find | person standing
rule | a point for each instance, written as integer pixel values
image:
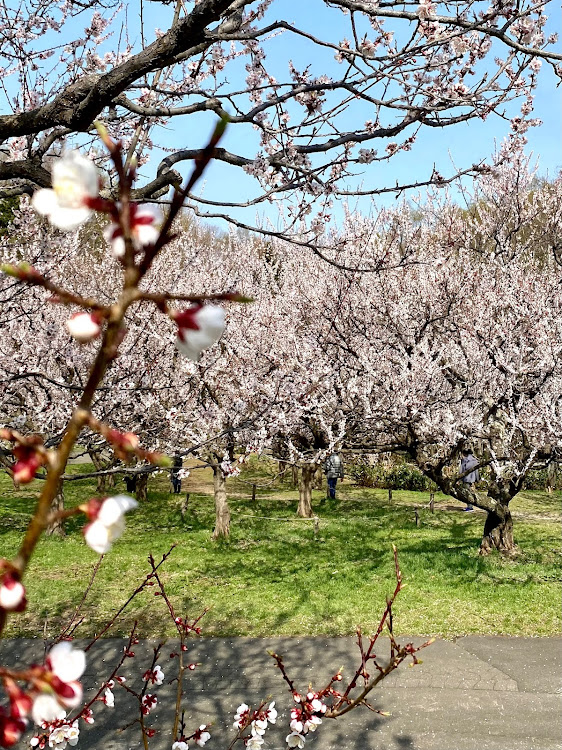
(469, 461)
(333, 468)
(175, 474)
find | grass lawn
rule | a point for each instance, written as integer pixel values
(274, 577)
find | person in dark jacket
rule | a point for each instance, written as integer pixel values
(469, 461)
(333, 468)
(175, 474)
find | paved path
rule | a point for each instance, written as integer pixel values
(478, 693)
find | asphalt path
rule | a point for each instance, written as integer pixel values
(476, 693)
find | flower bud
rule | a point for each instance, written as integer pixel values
(84, 326)
(12, 593)
(11, 729)
(24, 470)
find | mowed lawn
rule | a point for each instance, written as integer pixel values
(274, 576)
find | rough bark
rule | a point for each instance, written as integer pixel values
(222, 511)
(57, 527)
(318, 478)
(305, 492)
(295, 475)
(101, 481)
(498, 533)
(141, 487)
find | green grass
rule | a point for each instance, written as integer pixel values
(274, 577)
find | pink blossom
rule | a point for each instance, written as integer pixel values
(75, 181)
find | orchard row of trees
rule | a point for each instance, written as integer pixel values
(455, 340)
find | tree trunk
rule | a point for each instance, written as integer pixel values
(98, 466)
(141, 487)
(305, 492)
(318, 478)
(57, 527)
(282, 470)
(498, 533)
(295, 475)
(222, 511)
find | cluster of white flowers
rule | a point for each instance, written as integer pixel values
(257, 721)
(60, 737)
(305, 718)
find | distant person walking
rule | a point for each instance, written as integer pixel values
(469, 461)
(175, 474)
(333, 468)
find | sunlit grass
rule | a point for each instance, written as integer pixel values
(275, 577)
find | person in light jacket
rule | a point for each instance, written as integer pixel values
(333, 468)
(469, 461)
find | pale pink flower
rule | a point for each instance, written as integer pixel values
(199, 327)
(272, 713)
(75, 181)
(109, 698)
(84, 326)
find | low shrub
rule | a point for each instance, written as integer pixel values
(400, 476)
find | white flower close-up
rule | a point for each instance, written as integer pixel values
(83, 327)
(75, 179)
(12, 593)
(295, 740)
(199, 327)
(66, 662)
(46, 709)
(109, 523)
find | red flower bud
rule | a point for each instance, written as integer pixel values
(24, 470)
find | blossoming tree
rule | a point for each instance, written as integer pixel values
(462, 346)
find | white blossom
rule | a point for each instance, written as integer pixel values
(75, 180)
